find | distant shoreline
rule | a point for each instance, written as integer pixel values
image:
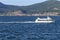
(46, 15)
(29, 14)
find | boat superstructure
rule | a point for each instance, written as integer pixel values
(44, 20)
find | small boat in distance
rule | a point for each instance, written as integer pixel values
(44, 20)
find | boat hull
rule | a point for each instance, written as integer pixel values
(44, 21)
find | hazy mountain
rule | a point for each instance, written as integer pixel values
(47, 6)
(7, 8)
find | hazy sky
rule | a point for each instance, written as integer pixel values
(21, 2)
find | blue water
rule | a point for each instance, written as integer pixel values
(29, 31)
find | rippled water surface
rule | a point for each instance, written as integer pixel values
(29, 31)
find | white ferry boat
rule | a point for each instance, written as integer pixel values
(44, 20)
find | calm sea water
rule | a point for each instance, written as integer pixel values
(29, 31)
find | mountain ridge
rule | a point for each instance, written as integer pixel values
(39, 8)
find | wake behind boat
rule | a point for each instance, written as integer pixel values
(38, 20)
(44, 20)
